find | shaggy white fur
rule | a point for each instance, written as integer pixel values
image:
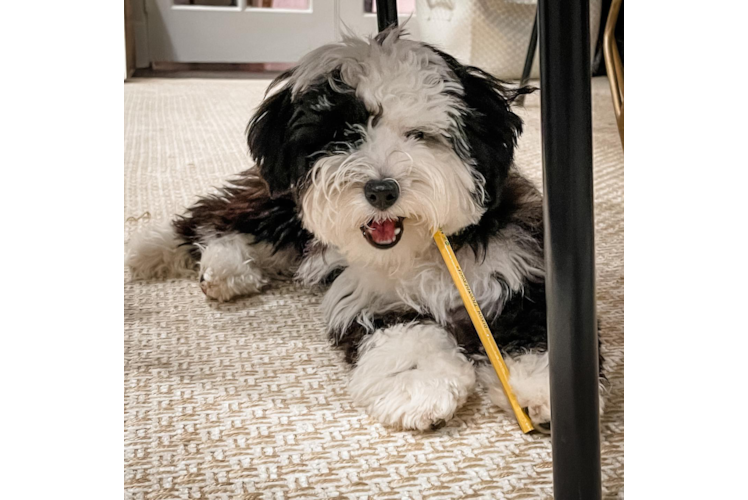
(409, 90)
(155, 252)
(411, 376)
(363, 291)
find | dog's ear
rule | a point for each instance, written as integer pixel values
(267, 138)
(288, 130)
(490, 128)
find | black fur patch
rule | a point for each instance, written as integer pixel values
(332, 275)
(521, 326)
(286, 135)
(490, 127)
(245, 206)
(491, 130)
(520, 205)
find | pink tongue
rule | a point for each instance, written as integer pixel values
(382, 231)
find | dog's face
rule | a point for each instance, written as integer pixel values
(383, 141)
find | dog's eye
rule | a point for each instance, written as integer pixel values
(415, 134)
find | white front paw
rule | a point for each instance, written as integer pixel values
(413, 399)
(412, 377)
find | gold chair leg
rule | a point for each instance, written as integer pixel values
(613, 64)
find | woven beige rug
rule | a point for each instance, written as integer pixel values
(246, 400)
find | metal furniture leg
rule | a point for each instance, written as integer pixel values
(566, 125)
(529, 59)
(386, 13)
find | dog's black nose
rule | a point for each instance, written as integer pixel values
(382, 194)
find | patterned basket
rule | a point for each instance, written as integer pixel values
(490, 34)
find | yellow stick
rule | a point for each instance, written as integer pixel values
(479, 322)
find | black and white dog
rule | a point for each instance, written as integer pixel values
(361, 151)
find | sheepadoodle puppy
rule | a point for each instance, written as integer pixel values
(361, 152)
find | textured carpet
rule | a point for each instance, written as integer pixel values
(246, 400)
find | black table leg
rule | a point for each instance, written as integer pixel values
(566, 114)
(529, 59)
(386, 13)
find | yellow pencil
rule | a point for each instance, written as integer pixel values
(479, 322)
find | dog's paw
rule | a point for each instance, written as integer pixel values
(540, 414)
(529, 378)
(412, 377)
(228, 269)
(415, 399)
(224, 287)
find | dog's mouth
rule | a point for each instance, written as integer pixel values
(383, 234)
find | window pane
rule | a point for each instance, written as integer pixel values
(279, 4)
(214, 3)
(255, 4)
(403, 6)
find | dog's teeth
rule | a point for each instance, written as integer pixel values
(398, 230)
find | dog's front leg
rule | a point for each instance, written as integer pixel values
(234, 265)
(411, 376)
